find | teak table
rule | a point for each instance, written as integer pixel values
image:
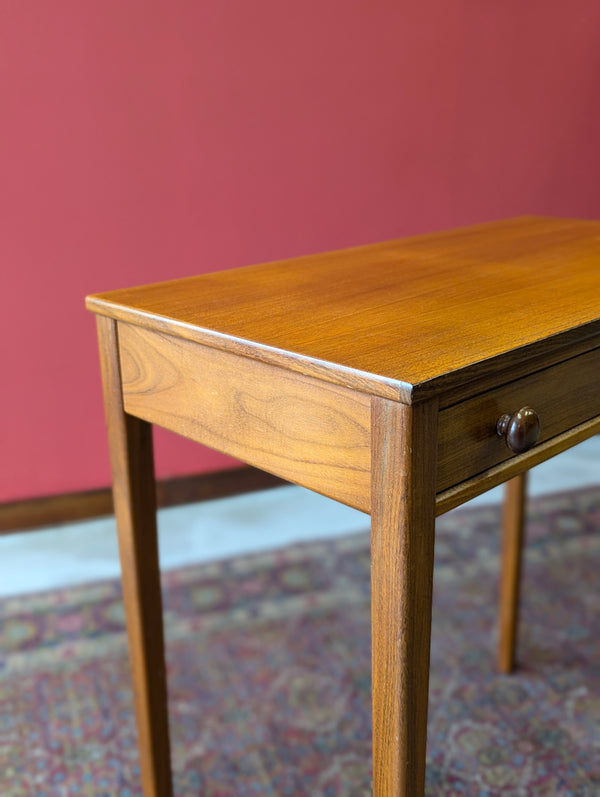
(401, 378)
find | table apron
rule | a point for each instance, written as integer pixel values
(318, 434)
(310, 432)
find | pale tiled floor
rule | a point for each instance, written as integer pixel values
(79, 552)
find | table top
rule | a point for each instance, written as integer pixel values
(412, 315)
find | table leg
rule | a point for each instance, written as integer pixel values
(513, 523)
(130, 442)
(404, 450)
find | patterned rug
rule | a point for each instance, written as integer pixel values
(269, 672)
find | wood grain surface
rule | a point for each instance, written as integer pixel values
(402, 539)
(131, 457)
(330, 371)
(317, 434)
(403, 319)
(312, 433)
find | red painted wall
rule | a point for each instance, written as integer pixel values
(149, 140)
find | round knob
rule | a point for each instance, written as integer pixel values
(520, 430)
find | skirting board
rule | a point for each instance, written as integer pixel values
(34, 513)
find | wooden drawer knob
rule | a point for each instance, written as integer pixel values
(521, 430)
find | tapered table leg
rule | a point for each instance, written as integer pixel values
(513, 523)
(130, 442)
(404, 445)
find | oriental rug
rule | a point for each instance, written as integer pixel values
(269, 672)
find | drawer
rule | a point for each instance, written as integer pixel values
(563, 396)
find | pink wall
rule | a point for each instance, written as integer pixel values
(149, 140)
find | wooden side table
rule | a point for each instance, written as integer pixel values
(401, 378)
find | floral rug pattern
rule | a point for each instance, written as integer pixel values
(269, 672)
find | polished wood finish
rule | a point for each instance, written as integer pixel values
(403, 319)
(513, 524)
(353, 372)
(32, 514)
(402, 536)
(130, 442)
(312, 433)
(185, 387)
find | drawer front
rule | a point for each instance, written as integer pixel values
(307, 431)
(564, 395)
